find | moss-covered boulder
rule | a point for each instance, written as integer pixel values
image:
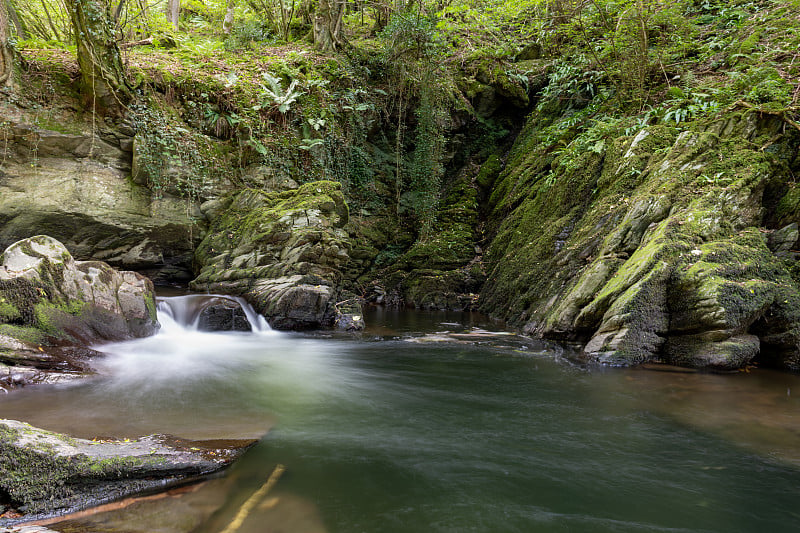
(283, 251)
(665, 245)
(50, 302)
(44, 473)
(441, 289)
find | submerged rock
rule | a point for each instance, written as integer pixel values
(223, 315)
(349, 315)
(44, 473)
(26, 529)
(210, 312)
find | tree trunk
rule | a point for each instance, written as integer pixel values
(144, 26)
(328, 25)
(103, 82)
(382, 10)
(174, 13)
(6, 53)
(22, 32)
(227, 23)
(53, 28)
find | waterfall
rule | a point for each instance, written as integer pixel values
(184, 312)
(257, 321)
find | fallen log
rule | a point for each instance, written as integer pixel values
(143, 42)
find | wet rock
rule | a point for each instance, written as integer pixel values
(707, 352)
(295, 302)
(44, 473)
(29, 366)
(350, 322)
(349, 314)
(26, 529)
(225, 315)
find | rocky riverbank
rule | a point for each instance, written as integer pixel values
(650, 226)
(671, 246)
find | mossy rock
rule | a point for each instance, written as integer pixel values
(281, 233)
(47, 297)
(44, 473)
(640, 251)
(450, 248)
(496, 76)
(489, 172)
(441, 290)
(284, 251)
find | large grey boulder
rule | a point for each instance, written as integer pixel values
(43, 287)
(52, 307)
(295, 302)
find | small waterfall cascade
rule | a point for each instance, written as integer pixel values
(185, 312)
(257, 321)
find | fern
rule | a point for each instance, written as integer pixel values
(275, 94)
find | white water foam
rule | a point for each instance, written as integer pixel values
(183, 312)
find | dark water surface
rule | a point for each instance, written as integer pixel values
(409, 429)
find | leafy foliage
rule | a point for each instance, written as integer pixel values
(274, 94)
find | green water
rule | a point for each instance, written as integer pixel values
(403, 430)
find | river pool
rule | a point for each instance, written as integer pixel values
(426, 423)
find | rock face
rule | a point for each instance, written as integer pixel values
(441, 270)
(282, 251)
(76, 188)
(49, 302)
(44, 473)
(664, 246)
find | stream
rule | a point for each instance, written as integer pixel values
(426, 422)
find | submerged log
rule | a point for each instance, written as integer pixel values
(247, 507)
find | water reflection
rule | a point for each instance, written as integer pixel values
(755, 410)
